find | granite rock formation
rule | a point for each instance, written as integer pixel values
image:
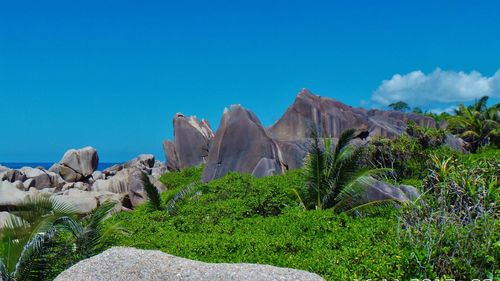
(241, 142)
(191, 142)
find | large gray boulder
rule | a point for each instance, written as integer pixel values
(118, 264)
(10, 195)
(191, 142)
(77, 164)
(456, 143)
(239, 144)
(84, 202)
(41, 178)
(379, 191)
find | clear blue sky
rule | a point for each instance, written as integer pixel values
(111, 74)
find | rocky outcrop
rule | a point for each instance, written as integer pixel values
(330, 118)
(191, 142)
(77, 164)
(242, 144)
(75, 181)
(133, 264)
(126, 179)
(239, 145)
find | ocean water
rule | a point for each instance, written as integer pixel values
(100, 166)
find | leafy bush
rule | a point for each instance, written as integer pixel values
(453, 227)
(427, 137)
(175, 180)
(239, 218)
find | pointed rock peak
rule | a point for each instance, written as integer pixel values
(306, 93)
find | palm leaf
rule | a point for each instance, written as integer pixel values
(152, 192)
(178, 197)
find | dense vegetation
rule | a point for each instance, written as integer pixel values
(239, 218)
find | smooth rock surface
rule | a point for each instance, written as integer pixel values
(191, 142)
(239, 144)
(77, 164)
(117, 264)
(10, 195)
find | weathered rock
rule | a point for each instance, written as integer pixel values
(97, 175)
(143, 162)
(83, 201)
(170, 155)
(158, 169)
(310, 112)
(455, 143)
(133, 264)
(10, 195)
(239, 144)
(41, 178)
(13, 175)
(29, 183)
(266, 167)
(191, 142)
(19, 185)
(127, 181)
(330, 118)
(3, 172)
(83, 161)
(379, 190)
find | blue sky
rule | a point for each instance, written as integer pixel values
(111, 74)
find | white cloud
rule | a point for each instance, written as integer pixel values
(438, 87)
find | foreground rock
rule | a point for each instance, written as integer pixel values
(132, 264)
(241, 144)
(191, 142)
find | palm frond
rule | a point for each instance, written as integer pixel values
(89, 240)
(179, 196)
(152, 192)
(345, 138)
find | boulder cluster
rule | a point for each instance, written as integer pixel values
(75, 180)
(241, 143)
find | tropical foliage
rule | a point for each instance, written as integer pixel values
(153, 194)
(477, 124)
(335, 177)
(44, 236)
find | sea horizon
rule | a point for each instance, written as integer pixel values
(47, 165)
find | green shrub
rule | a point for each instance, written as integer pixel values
(454, 228)
(239, 218)
(174, 180)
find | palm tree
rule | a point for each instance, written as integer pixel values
(38, 232)
(27, 232)
(335, 178)
(477, 124)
